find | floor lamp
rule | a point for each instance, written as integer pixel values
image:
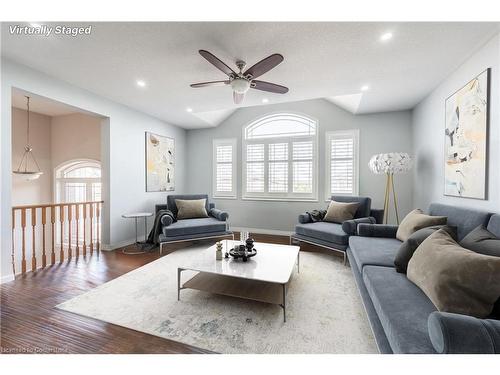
(390, 164)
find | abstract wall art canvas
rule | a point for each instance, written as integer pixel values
(466, 139)
(160, 163)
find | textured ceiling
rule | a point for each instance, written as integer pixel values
(322, 60)
(43, 105)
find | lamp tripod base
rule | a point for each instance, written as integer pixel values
(389, 186)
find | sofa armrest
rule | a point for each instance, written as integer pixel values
(219, 214)
(159, 207)
(377, 230)
(304, 218)
(462, 334)
(378, 214)
(211, 205)
(351, 226)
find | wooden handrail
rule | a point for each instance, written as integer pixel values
(55, 217)
(52, 205)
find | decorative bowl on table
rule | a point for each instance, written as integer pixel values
(243, 252)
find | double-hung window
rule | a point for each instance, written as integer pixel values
(280, 158)
(342, 163)
(224, 160)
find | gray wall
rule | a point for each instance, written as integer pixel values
(428, 133)
(382, 132)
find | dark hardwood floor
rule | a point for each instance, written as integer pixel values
(31, 324)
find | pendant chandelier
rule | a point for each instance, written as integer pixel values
(24, 165)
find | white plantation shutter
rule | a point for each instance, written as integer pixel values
(224, 168)
(342, 159)
(302, 155)
(278, 167)
(255, 168)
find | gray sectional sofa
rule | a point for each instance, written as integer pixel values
(403, 319)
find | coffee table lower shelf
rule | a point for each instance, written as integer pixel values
(255, 290)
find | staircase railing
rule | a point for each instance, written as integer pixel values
(47, 234)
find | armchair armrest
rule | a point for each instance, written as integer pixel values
(304, 218)
(219, 214)
(166, 220)
(351, 226)
(461, 334)
(159, 207)
(378, 214)
(377, 230)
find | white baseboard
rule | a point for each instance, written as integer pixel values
(117, 245)
(6, 279)
(261, 231)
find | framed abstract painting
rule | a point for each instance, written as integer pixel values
(160, 163)
(466, 140)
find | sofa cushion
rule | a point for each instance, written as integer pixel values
(364, 207)
(465, 219)
(408, 247)
(417, 220)
(173, 207)
(494, 225)
(374, 251)
(191, 208)
(403, 309)
(338, 212)
(482, 241)
(455, 279)
(194, 226)
(329, 232)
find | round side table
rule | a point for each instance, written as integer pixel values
(136, 216)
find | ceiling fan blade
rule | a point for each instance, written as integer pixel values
(238, 98)
(216, 62)
(264, 66)
(211, 83)
(268, 86)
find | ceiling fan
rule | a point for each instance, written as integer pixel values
(241, 82)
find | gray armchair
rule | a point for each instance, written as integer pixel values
(334, 236)
(214, 226)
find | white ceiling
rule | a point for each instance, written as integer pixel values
(322, 60)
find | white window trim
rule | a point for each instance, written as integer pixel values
(221, 142)
(290, 196)
(338, 133)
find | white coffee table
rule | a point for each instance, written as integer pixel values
(262, 278)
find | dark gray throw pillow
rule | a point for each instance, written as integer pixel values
(482, 241)
(408, 247)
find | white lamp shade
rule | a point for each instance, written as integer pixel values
(392, 162)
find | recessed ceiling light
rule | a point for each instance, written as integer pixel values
(385, 37)
(265, 100)
(365, 88)
(141, 83)
(189, 109)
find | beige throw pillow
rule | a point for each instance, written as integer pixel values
(455, 279)
(338, 212)
(191, 208)
(417, 220)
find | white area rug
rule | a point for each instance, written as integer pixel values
(324, 310)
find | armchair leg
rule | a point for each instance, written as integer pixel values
(345, 258)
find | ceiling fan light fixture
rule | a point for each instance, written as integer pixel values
(240, 85)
